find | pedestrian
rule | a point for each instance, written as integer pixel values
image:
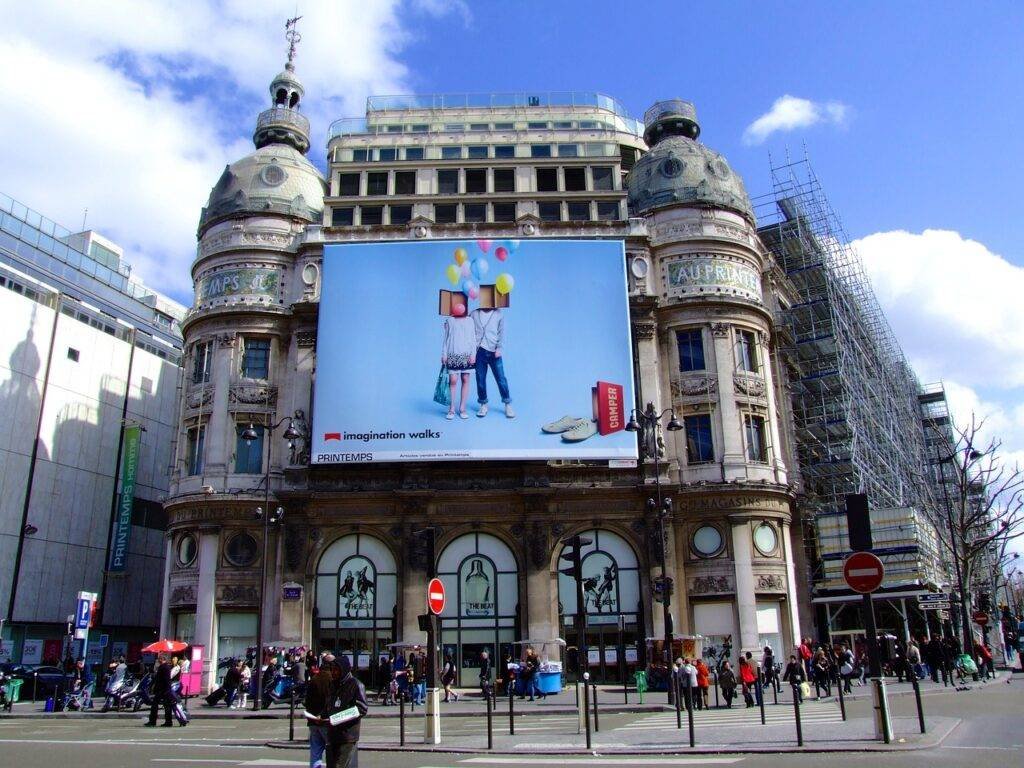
(933, 658)
(845, 668)
(805, 655)
(796, 676)
(448, 677)
(419, 667)
(727, 682)
(747, 678)
(319, 698)
(820, 674)
(703, 682)
(244, 682)
(298, 674)
(769, 671)
(985, 657)
(532, 674)
(485, 673)
(385, 673)
(914, 660)
(343, 739)
(161, 692)
(115, 679)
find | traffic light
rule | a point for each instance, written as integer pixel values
(984, 602)
(572, 552)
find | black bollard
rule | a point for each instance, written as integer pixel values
(689, 713)
(511, 714)
(759, 690)
(401, 719)
(775, 691)
(490, 723)
(917, 697)
(796, 716)
(597, 723)
(291, 716)
(35, 679)
(842, 701)
(717, 705)
(586, 708)
(679, 703)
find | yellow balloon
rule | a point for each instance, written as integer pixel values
(504, 283)
(453, 274)
(460, 256)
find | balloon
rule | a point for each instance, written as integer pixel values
(460, 256)
(512, 245)
(501, 253)
(458, 310)
(453, 274)
(474, 293)
(485, 245)
(480, 267)
(465, 269)
(504, 283)
(468, 286)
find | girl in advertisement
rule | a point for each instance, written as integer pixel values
(458, 355)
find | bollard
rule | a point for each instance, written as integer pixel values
(920, 709)
(586, 707)
(842, 701)
(511, 713)
(35, 680)
(625, 690)
(689, 713)
(401, 719)
(490, 724)
(717, 705)
(679, 703)
(597, 723)
(796, 715)
(291, 716)
(759, 690)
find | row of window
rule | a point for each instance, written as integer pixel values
(475, 152)
(690, 343)
(700, 444)
(254, 362)
(478, 181)
(248, 453)
(469, 213)
(532, 125)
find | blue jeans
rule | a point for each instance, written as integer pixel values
(317, 745)
(484, 359)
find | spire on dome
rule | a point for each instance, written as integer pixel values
(293, 37)
(282, 123)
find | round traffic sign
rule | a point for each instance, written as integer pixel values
(980, 618)
(435, 596)
(863, 572)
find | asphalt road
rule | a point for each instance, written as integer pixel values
(991, 734)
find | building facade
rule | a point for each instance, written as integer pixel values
(347, 556)
(89, 355)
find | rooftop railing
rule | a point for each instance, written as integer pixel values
(282, 116)
(492, 100)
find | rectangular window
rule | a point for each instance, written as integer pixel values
(579, 211)
(454, 126)
(540, 150)
(479, 127)
(359, 155)
(400, 214)
(405, 183)
(474, 212)
(371, 215)
(377, 183)
(387, 155)
(746, 351)
(348, 184)
(476, 181)
(504, 126)
(445, 214)
(342, 217)
(73, 354)
(537, 126)
(699, 447)
(504, 212)
(255, 358)
(607, 210)
(414, 153)
(568, 150)
(561, 125)
(691, 349)
(547, 179)
(504, 150)
(201, 362)
(451, 153)
(504, 180)
(757, 447)
(248, 453)
(419, 128)
(627, 155)
(448, 182)
(477, 153)
(195, 438)
(588, 124)
(550, 211)
(602, 177)
(575, 179)
(394, 128)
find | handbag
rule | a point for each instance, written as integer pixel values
(805, 689)
(442, 395)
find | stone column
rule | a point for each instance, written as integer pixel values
(746, 599)
(541, 603)
(791, 587)
(731, 446)
(218, 430)
(165, 598)
(657, 609)
(206, 597)
(773, 412)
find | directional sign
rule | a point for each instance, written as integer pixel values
(83, 612)
(935, 606)
(435, 596)
(863, 572)
(934, 597)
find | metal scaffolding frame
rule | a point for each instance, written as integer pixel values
(855, 398)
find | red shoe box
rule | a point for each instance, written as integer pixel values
(609, 408)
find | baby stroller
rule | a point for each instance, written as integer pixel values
(964, 666)
(80, 699)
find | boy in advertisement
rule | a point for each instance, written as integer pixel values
(490, 338)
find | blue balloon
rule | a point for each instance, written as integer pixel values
(467, 286)
(479, 267)
(511, 245)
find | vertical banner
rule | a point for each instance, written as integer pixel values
(123, 519)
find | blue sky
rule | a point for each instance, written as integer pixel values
(908, 110)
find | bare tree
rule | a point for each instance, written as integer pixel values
(984, 512)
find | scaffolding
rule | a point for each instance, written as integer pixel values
(855, 399)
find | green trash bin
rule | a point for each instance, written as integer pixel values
(12, 692)
(641, 684)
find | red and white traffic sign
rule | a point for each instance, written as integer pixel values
(863, 572)
(980, 618)
(435, 596)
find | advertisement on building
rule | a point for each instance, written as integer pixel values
(473, 349)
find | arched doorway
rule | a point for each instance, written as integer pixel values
(611, 595)
(481, 579)
(356, 593)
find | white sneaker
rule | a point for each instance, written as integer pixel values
(509, 413)
(483, 411)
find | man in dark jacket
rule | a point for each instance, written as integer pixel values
(485, 673)
(161, 692)
(319, 698)
(343, 739)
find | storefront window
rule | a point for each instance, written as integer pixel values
(236, 633)
(185, 626)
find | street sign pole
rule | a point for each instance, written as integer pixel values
(436, 599)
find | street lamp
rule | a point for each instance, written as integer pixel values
(646, 423)
(249, 435)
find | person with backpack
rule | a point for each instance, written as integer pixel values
(448, 678)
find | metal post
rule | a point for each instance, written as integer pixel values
(717, 704)
(842, 701)
(917, 697)
(759, 689)
(775, 690)
(511, 714)
(35, 681)
(291, 716)
(689, 714)
(490, 723)
(796, 715)
(597, 723)
(679, 702)
(401, 719)
(586, 709)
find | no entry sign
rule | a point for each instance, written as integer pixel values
(435, 596)
(980, 618)
(863, 572)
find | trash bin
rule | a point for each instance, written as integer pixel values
(12, 692)
(641, 684)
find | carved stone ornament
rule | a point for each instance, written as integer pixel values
(237, 594)
(310, 281)
(704, 585)
(538, 545)
(184, 594)
(299, 452)
(721, 330)
(306, 338)
(295, 537)
(199, 398)
(645, 330)
(529, 228)
(694, 385)
(769, 582)
(225, 340)
(253, 395)
(419, 231)
(749, 385)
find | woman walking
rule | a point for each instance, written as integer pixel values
(703, 681)
(796, 676)
(820, 670)
(727, 682)
(747, 677)
(448, 678)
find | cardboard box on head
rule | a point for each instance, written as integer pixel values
(491, 298)
(448, 300)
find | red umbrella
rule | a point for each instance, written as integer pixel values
(165, 646)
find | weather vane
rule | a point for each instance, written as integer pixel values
(292, 36)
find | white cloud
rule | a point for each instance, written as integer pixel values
(789, 113)
(131, 108)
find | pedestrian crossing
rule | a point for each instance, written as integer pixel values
(737, 718)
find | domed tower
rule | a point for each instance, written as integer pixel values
(703, 310)
(243, 383)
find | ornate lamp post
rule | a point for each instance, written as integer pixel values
(646, 423)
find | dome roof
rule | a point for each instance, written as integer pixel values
(275, 178)
(679, 170)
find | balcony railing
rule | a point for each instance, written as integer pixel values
(282, 116)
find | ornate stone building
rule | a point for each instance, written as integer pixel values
(346, 558)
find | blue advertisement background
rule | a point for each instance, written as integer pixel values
(380, 337)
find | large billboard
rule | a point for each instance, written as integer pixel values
(473, 349)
